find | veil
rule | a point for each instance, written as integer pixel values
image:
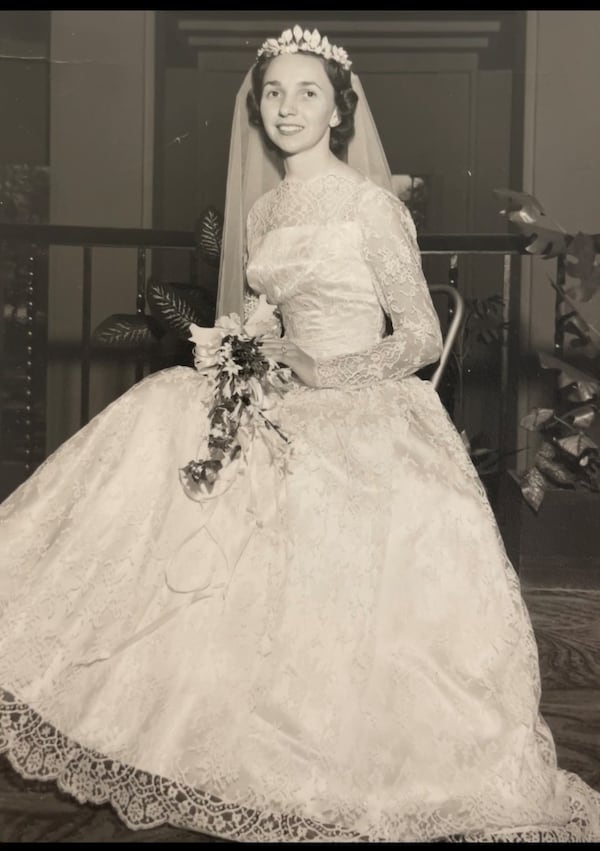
(254, 170)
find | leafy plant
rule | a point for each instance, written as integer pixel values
(568, 455)
(173, 306)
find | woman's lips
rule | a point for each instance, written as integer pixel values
(289, 129)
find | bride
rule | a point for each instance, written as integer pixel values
(330, 648)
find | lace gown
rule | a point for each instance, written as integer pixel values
(339, 651)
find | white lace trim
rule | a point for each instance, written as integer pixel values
(38, 751)
(142, 800)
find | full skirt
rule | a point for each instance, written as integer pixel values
(336, 649)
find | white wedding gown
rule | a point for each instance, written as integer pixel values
(336, 651)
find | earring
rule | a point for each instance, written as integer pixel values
(334, 122)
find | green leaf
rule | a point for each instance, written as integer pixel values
(583, 250)
(520, 202)
(484, 322)
(178, 305)
(545, 241)
(571, 323)
(555, 471)
(594, 333)
(491, 332)
(209, 234)
(546, 450)
(577, 444)
(570, 374)
(581, 392)
(549, 239)
(127, 330)
(537, 418)
(533, 488)
(581, 417)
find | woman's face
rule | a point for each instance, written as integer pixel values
(298, 103)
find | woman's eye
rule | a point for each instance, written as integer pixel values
(310, 94)
(271, 94)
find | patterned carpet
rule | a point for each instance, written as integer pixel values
(567, 628)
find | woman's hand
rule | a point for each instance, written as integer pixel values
(283, 351)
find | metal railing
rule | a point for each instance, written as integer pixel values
(452, 246)
(88, 238)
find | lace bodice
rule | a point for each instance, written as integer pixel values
(335, 255)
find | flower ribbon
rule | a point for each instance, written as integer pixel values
(261, 451)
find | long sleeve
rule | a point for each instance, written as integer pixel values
(389, 247)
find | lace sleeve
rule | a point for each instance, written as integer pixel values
(389, 247)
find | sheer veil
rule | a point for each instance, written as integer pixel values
(254, 170)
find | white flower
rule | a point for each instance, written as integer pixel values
(205, 337)
(225, 351)
(286, 36)
(298, 33)
(256, 390)
(206, 343)
(218, 430)
(230, 323)
(232, 368)
(262, 320)
(314, 39)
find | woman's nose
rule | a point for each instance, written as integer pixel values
(287, 107)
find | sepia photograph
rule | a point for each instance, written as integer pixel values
(299, 426)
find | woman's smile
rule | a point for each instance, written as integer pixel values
(289, 129)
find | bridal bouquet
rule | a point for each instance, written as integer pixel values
(244, 383)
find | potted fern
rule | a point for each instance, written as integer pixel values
(162, 335)
(561, 488)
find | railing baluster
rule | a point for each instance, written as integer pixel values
(140, 304)
(452, 280)
(503, 407)
(30, 320)
(86, 330)
(453, 270)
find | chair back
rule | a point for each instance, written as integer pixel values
(458, 312)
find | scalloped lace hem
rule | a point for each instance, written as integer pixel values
(38, 751)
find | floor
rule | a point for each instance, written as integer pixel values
(567, 627)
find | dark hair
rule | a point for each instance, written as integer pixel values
(345, 101)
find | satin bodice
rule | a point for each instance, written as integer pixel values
(317, 275)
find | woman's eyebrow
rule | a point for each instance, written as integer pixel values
(301, 83)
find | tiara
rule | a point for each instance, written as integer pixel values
(305, 41)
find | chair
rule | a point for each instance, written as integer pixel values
(458, 311)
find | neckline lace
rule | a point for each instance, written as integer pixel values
(322, 178)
